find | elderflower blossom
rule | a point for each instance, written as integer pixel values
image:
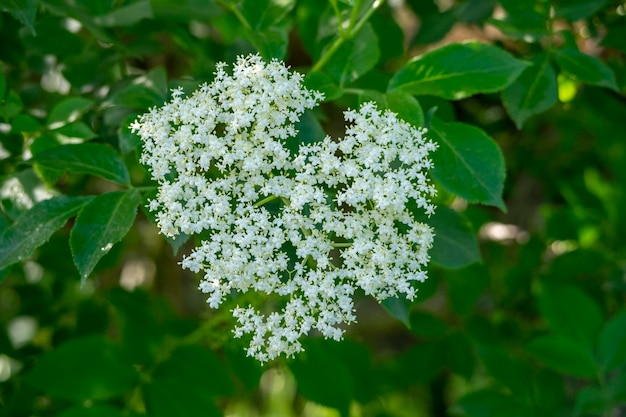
(306, 227)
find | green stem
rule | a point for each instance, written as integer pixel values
(146, 188)
(352, 30)
(341, 244)
(233, 8)
(333, 3)
(265, 201)
(355, 91)
(355, 13)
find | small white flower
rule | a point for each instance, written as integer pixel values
(339, 220)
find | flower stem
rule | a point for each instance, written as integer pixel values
(341, 244)
(353, 29)
(233, 8)
(265, 201)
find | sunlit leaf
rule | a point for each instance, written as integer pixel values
(458, 70)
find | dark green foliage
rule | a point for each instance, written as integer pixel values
(523, 313)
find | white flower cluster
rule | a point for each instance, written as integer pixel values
(310, 226)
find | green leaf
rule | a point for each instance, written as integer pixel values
(485, 403)
(465, 287)
(247, 369)
(523, 20)
(535, 91)
(585, 68)
(11, 105)
(137, 96)
(422, 363)
(24, 11)
(475, 11)
(434, 27)
(185, 11)
(126, 15)
(617, 387)
(509, 371)
(615, 37)
(592, 400)
(398, 308)
(77, 130)
(127, 140)
(272, 42)
(403, 104)
(459, 355)
(85, 158)
(3, 86)
(427, 325)
(156, 79)
(33, 228)
(190, 366)
(320, 81)
(101, 410)
(573, 10)
(356, 358)
(100, 224)
(89, 368)
(384, 23)
(355, 57)
(24, 123)
(263, 14)
(455, 244)
(468, 163)
(564, 355)
(67, 111)
(140, 319)
(457, 70)
(165, 398)
(612, 344)
(309, 129)
(571, 313)
(322, 377)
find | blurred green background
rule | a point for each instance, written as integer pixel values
(522, 314)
